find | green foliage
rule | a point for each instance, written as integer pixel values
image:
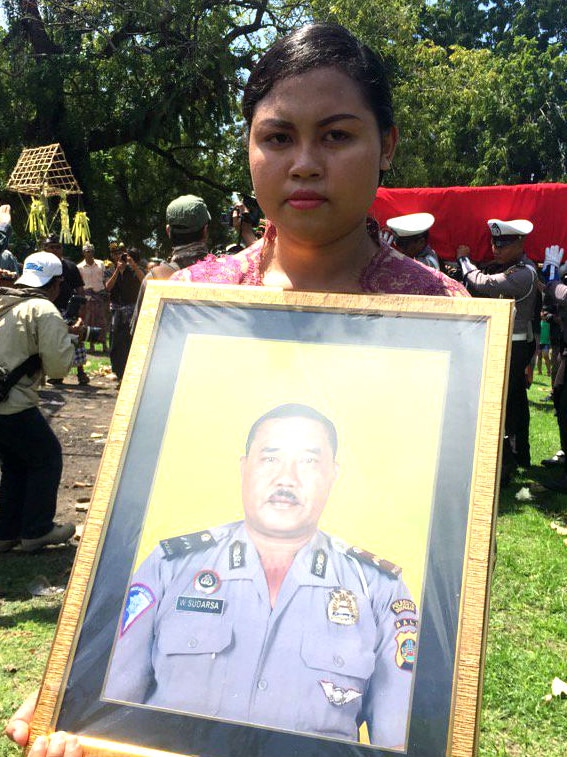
(140, 96)
(468, 112)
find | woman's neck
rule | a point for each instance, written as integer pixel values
(334, 267)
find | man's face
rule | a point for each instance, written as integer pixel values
(54, 248)
(287, 477)
(507, 250)
(410, 246)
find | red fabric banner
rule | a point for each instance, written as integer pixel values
(461, 214)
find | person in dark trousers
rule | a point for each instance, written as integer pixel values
(123, 285)
(517, 280)
(34, 338)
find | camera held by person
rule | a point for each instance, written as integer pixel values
(243, 217)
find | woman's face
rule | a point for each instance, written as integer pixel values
(315, 156)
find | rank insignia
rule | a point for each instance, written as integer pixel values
(140, 598)
(187, 544)
(207, 581)
(237, 555)
(319, 564)
(342, 607)
(405, 652)
(338, 696)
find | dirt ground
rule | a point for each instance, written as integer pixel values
(80, 416)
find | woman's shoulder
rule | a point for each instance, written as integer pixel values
(391, 272)
(242, 268)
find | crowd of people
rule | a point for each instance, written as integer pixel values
(321, 128)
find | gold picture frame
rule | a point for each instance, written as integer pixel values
(415, 388)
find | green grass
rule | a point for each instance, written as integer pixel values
(527, 640)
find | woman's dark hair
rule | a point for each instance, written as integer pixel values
(322, 46)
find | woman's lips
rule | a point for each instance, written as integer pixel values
(305, 200)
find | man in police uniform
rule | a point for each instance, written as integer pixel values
(269, 620)
(516, 280)
(410, 234)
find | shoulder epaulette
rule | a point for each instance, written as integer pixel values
(385, 566)
(179, 546)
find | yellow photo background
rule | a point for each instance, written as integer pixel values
(389, 436)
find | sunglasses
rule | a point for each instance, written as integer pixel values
(503, 241)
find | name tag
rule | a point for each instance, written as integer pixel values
(199, 604)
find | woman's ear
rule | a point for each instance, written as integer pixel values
(389, 142)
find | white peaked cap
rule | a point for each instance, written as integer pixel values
(411, 225)
(500, 228)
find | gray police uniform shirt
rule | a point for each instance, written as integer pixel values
(198, 635)
(518, 282)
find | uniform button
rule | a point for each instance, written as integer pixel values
(193, 643)
(338, 660)
(262, 684)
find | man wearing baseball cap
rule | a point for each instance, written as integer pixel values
(187, 225)
(34, 338)
(516, 279)
(410, 234)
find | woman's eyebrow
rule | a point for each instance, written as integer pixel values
(280, 123)
(337, 117)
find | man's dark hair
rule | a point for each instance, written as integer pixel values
(295, 410)
(180, 236)
(322, 46)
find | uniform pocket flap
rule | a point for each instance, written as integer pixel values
(191, 634)
(348, 654)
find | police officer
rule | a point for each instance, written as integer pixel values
(516, 279)
(410, 234)
(556, 289)
(271, 621)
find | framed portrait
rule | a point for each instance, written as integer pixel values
(289, 546)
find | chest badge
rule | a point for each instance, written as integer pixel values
(206, 582)
(338, 696)
(343, 607)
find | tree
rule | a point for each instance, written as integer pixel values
(143, 90)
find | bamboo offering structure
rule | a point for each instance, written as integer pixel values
(43, 172)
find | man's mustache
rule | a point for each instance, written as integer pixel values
(283, 493)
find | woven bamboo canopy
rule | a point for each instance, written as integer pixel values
(43, 171)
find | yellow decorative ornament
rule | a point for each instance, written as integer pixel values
(37, 220)
(81, 232)
(65, 235)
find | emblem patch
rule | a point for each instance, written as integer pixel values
(342, 607)
(405, 653)
(319, 564)
(199, 604)
(403, 605)
(338, 696)
(405, 622)
(237, 555)
(207, 581)
(140, 598)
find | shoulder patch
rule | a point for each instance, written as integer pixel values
(180, 546)
(384, 566)
(140, 598)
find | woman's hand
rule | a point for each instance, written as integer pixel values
(59, 744)
(18, 727)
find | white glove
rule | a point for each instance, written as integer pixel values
(552, 261)
(553, 255)
(466, 264)
(388, 238)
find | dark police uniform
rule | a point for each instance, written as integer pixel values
(199, 635)
(518, 282)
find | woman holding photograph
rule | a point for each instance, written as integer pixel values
(321, 134)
